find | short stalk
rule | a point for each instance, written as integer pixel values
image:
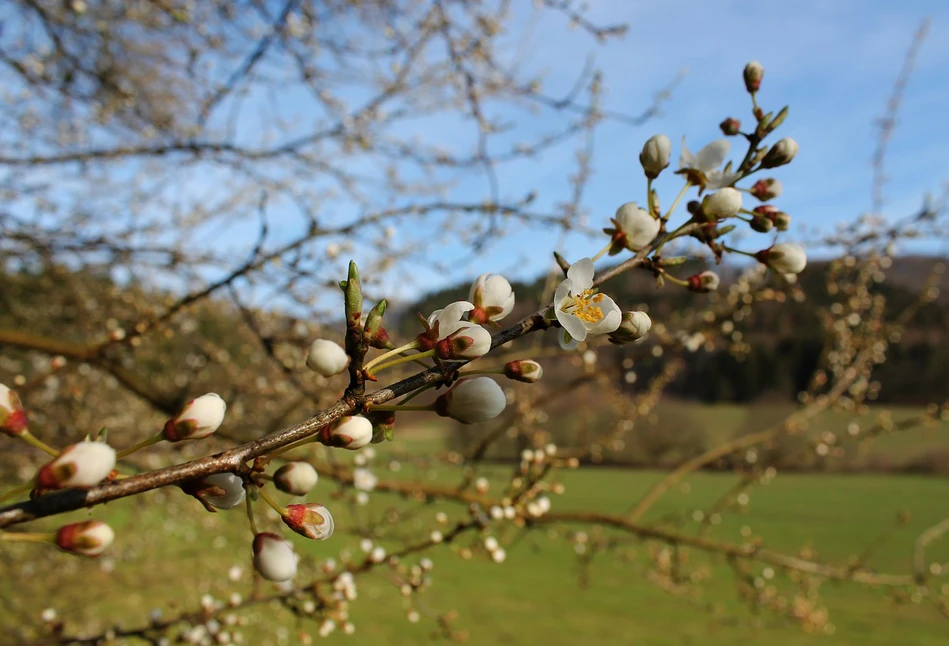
(270, 501)
(249, 504)
(603, 251)
(673, 279)
(34, 441)
(379, 367)
(155, 439)
(399, 407)
(28, 537)
(675, 202)
(391, 353)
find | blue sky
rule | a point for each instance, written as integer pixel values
(834, 63)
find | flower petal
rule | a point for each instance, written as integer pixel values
(572, 324)
(712, 155)
(566, 341)
(612, 317)
(686, 158)
(581, 275)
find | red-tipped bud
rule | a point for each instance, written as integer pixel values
(197, 420)
(274, 558)
(492, 297)
(296, 478)
(730, 126)
(767, 189)
(753, 74)
(12, 416)
(89, 538)
(703, 282)
(311, 519)
(82, 465)
(526, 370)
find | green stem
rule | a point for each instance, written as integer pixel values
(399, 360)
(415, 394)
(28, 537)
(155, 439)
(733, 250)
(34, 441)
(391, 353)
(672, 236)
(603, 251)
(270, 501)
(249, 504)
(675, 203)
(23, 488)
(673, 279)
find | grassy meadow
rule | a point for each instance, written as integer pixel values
(169, 553)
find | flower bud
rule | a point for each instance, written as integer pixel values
(761, 223)
(197, 420)
(326, 358)
(347, 433)
(753, 74)
(781, 221)
(12, 417)
(468, 342)
(655, 155)
(220, 491)
(634, 228)
(784, 258)
(273, 557)
(730, 126)
(296, 478)
(766, 189)
(89, 538)
(383, 425)
(723, 203)
(704, 282)
(635, 326)
(311, 519)
(472, 400)
(492, 297)
(780, 153)
(82, 465)
(526, 370)
(364, 479)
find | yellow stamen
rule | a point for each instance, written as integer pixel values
(583, 306)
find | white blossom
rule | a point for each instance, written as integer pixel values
(364, 479)
(580, 310)
(784, 258)
(707, 161)
(457, 338)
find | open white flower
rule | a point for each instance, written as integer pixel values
(580, 310)
(707, 162)
(492, 297)
(457, 338)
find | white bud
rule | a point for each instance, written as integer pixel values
(723, 203)
(364, 479)
(637, 226)
(311, 519)
(634, 326)
(12, 418)
(492, 297)
(655, 155)
(231, 487)
(296, 478)
(780, 154)
(348, 432)
(197, 420)
(326, 358)
(491, 543)
(784, 258)
(274, 558)
(82, 465)
(472, 400)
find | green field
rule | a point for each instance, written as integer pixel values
(169, 553)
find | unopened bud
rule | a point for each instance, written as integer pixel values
(219, 491)
(526, 370)
(492, 297)
(723, 203)
(383, 425)
(472, 400)
(704, 282)
(753, 74)
(295, 478)
(311, 519)
(82, 465)
(633, 228)
(273, 557)
(761, 223)
(767, 189)
(197, 420)
(326, 358)
(89, 538)
(782, 221)
(12, 416)
(730, 126)
(347, 433)
(635, 326)
(655, 155)
(780, 154)
(784, 258)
